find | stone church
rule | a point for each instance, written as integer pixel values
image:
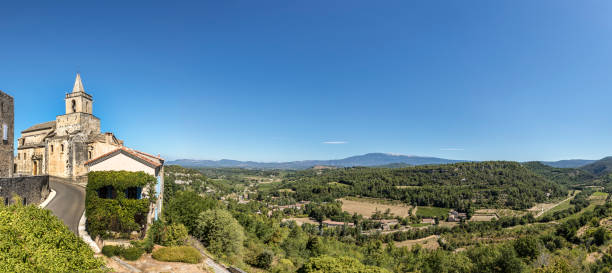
(62, 146)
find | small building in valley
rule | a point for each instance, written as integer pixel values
(454, 216)
(126, 159)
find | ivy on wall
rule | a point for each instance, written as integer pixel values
(119, 214)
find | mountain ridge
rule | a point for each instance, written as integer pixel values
(366, 160)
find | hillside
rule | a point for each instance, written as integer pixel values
(367, 160)
(564, 176)
(488, 184)
(600, 167)
(570, 163)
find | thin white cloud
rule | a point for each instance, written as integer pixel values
(335, 142)
(452, 149)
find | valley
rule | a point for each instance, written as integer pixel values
(403, 219)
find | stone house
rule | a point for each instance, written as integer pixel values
(454, 216)
(126, 159)
(62, 146)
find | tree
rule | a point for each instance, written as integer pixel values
(600, 236)
(220, 232)
(185, 207)
(264, 260)
(327, 264)
(527, 247)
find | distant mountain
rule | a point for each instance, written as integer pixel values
(571, 163)
(367, 160)
(599, 167)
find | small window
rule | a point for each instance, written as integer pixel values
(5, 132)
(86, 106)
(73, 106)
(133, 193)
(14, 168)
(89, 156)
(106, 192)
(51, 148)
(24, 201)
(62, 147)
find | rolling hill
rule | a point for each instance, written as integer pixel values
(599, 167)
(570, 163)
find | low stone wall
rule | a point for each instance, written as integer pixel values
(32, 189)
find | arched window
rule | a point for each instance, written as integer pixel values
(89, 154)
(73, 106)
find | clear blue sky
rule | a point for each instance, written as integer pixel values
(276, 80)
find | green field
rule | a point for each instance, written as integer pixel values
(564, 205)
(430, 212)
(599, 194)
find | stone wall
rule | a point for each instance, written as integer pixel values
(32, 189)
(7, 120)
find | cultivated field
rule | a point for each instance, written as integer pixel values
(430, 242)
(500, 212)
(431, 212)
(482, 217)
(368, 206)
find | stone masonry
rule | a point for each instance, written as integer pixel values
(7, 117)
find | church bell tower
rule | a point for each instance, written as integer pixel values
(78, 101)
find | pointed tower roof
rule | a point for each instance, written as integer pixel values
(78, 84)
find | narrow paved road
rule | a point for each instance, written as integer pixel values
(68, 204)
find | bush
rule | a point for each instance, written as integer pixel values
(110, 251)
(264, 260)
(131, 253)
(33, 240)
(174, 235)
(183, 254)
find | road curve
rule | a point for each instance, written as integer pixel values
(68, 204)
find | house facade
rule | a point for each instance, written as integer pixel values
(126, 159)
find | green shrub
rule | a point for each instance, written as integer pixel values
(33, 240)
(183, 254)
(110, 251)
(264, 260)
(120, 214)
(174, 235)
(131, 253)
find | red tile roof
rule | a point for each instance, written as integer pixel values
(148, 159)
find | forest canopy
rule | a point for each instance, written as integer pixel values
(494, 184)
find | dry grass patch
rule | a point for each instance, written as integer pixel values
(302, 220)
(482, 217)
(368, 206)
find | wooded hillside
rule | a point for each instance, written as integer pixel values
(498, 184)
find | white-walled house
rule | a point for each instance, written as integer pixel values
(126, 159)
